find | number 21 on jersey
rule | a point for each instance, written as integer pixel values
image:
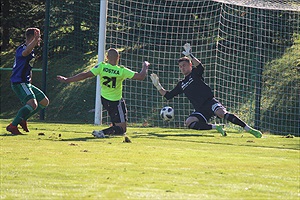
(109, 81)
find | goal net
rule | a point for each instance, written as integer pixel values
(250, 50)
(235, 40)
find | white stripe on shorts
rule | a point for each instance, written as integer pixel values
(216, 106)
(121, 113)
(25, 88)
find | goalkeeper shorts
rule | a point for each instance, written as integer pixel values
(207, 110)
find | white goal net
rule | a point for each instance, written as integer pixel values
(240, 43)
(293, 5)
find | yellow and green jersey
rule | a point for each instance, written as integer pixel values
(111, 79)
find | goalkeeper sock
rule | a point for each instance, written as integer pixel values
(234, 119)
(22, 113)
(114, 130)
(200, 126)
(247, 128)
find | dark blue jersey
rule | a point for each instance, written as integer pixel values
(194, 88)
(21, 72)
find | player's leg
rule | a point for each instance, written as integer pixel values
(40, 105)
(42, 102)
(118, 113)
(221, 112)
(115, 129)
(198, 121)
(207, 111)
(27, 97)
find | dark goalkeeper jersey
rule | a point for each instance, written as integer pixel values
(194, 88)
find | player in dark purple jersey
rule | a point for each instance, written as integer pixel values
(200, 95)
(32, 97)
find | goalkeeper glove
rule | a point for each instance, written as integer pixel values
(155, 81)
(187, 51)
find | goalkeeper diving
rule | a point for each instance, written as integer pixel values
(201, 97)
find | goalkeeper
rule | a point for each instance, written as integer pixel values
(111, 78)
(200, 95)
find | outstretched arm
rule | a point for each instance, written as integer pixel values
(188, 53)
(162, 91)
(156, 83)
(77, 77)
(141, 76)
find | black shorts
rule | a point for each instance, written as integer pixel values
(208, 109)
(117, 110)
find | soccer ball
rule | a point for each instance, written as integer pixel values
(167, 113)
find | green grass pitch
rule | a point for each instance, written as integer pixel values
(64, 161)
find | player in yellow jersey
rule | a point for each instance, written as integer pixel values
(111, 79)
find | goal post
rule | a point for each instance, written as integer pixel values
(101, 57)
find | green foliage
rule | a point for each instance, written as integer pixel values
(64, 161)
(17, 17)
(74, 101)
(281, 83)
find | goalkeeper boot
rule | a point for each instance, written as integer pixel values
(220, 130)
(23, 124)
(98, 134)
(255, 132)
(13, 129)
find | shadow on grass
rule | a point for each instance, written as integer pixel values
(173, 136)
(179, 135)
(9, 134)
(250, 142)
(79, 139)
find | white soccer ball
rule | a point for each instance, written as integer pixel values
(167, 113)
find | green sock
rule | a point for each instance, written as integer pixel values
(40, 107)
(24, 111)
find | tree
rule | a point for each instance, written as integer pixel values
(5, 6)
(16, 17)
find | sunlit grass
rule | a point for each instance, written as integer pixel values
(64, 161)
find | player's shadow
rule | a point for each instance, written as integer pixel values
(9, 135)
(79, 139)
(179, 135)
(89, 138)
